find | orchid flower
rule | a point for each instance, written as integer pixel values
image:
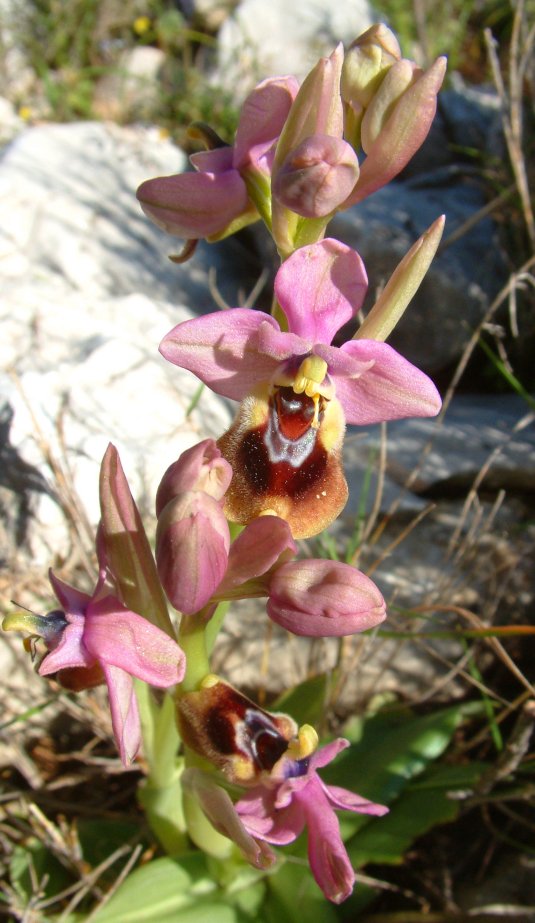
(95, 639)
(277, 763)
(278, 812)
(214, 201)
(297, 389)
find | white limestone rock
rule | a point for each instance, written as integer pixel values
(86, 299)
(262, 39)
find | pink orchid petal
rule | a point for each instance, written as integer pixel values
(70, 599)
(328, 753)
(261, 818)
(345, 800)
(200, 468)
(217, 160)
(391, 389)
(340, 363)
(71, 650)
(263, 115)
(263, 543)
(280, 346)
(120, 638)
(192, 544)
(221, 813)
(194, 205)
(327, 854)
(322, 598)
(320, 288)
(124, 712)
(221, 349)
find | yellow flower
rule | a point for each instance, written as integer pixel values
(141, 25)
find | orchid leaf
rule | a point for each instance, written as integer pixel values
(165, 891)
(282, 905)
(391, 749)
(425, 803)
(306, 701)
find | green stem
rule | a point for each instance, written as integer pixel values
(214, 625)
(160, 795)
(193, 641)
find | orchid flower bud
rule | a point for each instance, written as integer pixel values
(402, 285)
(398, 79)
(316, 110)
(366, 63)
(317, 176)
(321, 598)
(232, 732)
(192, 545)
(200, 468)
(404, 128)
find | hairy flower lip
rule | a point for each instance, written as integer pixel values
(227, 728)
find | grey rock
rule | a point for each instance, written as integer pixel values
(478, 432)
(462, 279)
(428, 459)
(88, 377)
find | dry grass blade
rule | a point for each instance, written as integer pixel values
(476, 622)
(512, 104)
(75, 515)
(89, 880)
(482, 473)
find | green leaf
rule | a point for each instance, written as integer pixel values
(306, 701)
(99, 838)
(294, 897)
(424, 804)
(34, 862)
(391, 748)
(165, 891)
